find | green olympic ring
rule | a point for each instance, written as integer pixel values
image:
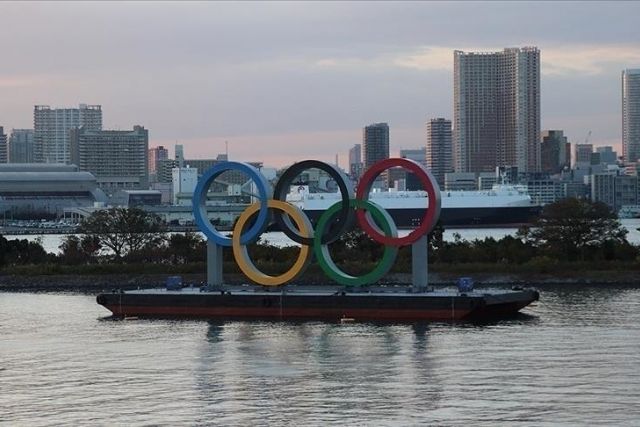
(382, 218)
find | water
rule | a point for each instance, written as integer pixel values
(51, 242)
(571, 360)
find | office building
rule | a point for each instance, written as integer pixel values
(555, 152)
(4, 152)
(497, 110)
(412, 182)
(355, 162)
(375, 147)
(615, 190)
(21, 146)
(52, 126)
(631, 115)
(582, 155)
(416, 154)
(184, 184)
(202, 165)
(375, 144)
(155, 155)
(118, 159)
(179, 155)
(439, 156)
(607, 155)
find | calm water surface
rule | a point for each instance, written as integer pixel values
(573, 359)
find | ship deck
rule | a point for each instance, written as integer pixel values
(317, 290)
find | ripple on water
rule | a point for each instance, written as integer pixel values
(571, 360)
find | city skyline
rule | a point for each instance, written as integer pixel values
(265, 78)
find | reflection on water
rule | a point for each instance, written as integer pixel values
(571, 359)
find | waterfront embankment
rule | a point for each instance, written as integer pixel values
(107, 282)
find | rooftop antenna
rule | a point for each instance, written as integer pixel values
(226, 148)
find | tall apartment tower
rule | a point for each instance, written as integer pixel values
(631, 115)
(4, 152)
(375, 147)
(497, 110)
(51, 129)
(21, 146)
(439, 154)
(4, 149)
(375, 143)
(118, 159)
(355, 161)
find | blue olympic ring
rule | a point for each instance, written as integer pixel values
(200, 198)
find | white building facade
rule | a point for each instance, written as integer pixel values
(52, 126)
(184, 184)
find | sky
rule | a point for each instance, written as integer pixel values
(287, 81)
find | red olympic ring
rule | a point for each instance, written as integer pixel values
(431, 215)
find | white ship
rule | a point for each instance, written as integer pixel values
(504, 204)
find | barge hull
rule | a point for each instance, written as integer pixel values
(400, 307)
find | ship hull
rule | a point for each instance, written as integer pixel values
(458, 217)
(399, 306)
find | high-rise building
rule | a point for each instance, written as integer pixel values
(375, 147)
(555, 151)
(21, 146)
(439, 148)
(51, 129)
(355, 162)
(164, 170)
(412, 182)
(582, 155)
(607, 155)
(631, 115)
(497, 110)
(375, 143)
(155, 155)
(118, 159)
(3, 146)
(179, 155)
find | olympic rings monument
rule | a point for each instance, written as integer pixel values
(355, 300)
(354, 207)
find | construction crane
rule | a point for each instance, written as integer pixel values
(586, 140)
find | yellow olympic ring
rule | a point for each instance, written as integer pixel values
(242, 256)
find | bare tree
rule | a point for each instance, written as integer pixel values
(123, 230)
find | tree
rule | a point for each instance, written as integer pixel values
(569, 227)
(124, 231)
(184, 248)
(14, 252)
(79, 250)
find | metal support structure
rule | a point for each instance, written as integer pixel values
(419, 264)
(214, 263)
